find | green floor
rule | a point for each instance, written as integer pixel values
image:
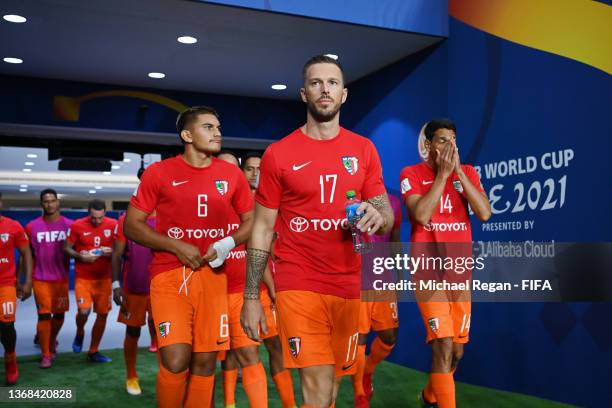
(103, 385)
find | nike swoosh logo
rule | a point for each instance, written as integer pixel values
(222, 342)
(348, 366)
(296, 167)
(86, 233)
(427, 182)
(178, 183)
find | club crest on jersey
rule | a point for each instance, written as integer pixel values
(4, 237)
(295, 345)
(458, 186)
(164, 329)
(107, 233)
(405, 186)
(222, 186)
(434, 324)
(351, 164)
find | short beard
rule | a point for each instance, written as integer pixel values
(322, 116)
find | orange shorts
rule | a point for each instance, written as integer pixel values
(136, 309)
(51, 297)
(238, 337)
(447, 319)
(317, 329)
(191, 308)
(8, 301)
(98, 291)
(378, 316)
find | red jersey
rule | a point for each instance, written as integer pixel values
(307, 181)
(87, 238)
(12, 236)
(193, 204)
(450, 221)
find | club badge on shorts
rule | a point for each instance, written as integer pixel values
(222, 186)
(164, 329)
(434, 324)
(295, 344)
(351, 164)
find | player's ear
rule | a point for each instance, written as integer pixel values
(344, 94)
(186, 136)
(303, 94)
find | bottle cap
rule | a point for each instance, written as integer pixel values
(350, 194)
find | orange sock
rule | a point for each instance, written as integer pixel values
(130, 351)
(428, 393)
(96, 334)
(284, 386)
(358, 376)
(255, 385)
(378, 352)
(199, 391)
(230, 378)
(170, 388)
(56, 325)
(43, 328)
(443, 386)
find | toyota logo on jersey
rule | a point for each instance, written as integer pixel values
(351, 164)
(176, 233)
(221, 186)
(298, 224)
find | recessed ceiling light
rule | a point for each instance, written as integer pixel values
(14, 18)
(106, 173)
(115, 167)
(127, 160)
(92, 191)
(23, 185)
(27, 170)
(12, 60)
(23, 190)
(334, 56)
(187, 39)
(157, 75)
(279, 87)
(29, 163)
(60, 195)
(98, 187)
(31, 155)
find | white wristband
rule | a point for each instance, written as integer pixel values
(116, 285)
(223, 247)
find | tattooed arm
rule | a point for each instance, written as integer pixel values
(258, 250)
(378, 217)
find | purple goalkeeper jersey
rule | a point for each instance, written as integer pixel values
(51, 263)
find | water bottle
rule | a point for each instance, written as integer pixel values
(351, 206)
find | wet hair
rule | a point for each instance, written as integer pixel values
(435, 124)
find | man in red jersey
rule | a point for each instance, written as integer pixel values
(437, 193)
(89, 242)
(12, 236)
(47, 235)
(194, 195)
(243, 349)
(301, 195)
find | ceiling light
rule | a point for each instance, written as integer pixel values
(127, 160)
(334, 56)
(31, 155)
(29, 163)
(157, 75)
(187, 39)
(14, 18)
(23, 190)
(27, 170)
(12, 60)
(106, 173)
(23, 185)
(98, 187)
(279, 87)
(115, 167)
(92, 191)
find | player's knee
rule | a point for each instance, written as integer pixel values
(457, 356)
(203, 365)
(44, 316)
(102, 316)
(58, 316)
(7, 326)
(83, 312)
(175, 363)
(133, 331)
(442, 351)
(248, 355)
(363, 339)
(389, 337)
(273, 345)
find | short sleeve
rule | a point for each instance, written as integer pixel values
(409, 183)
(373, 184)
(118, 232)
(73, 233)
(269, 191)
(21, 239)
(28, 230)
(146, 195)
(242, 200)
(472, 174)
